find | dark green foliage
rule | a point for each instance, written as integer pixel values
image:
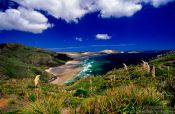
(93, 85)
(32, 98)
(62, 56)
(81, 93)
(19, 61)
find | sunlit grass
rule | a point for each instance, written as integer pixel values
(118, 91)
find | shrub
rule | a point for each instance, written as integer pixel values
(81, 93)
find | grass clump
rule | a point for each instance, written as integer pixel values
(118, 91)
(48, 105)
(128, 99)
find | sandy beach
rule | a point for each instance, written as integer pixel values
(64, 72)
(69, 70)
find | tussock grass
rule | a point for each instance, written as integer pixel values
(47, 105)
(129, 99)
(118, 91)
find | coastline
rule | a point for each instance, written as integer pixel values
(71, 68)
(64, 72)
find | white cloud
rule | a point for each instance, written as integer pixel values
(103, 36)
(124, 8)
(157, 3)
(29, 18)
(79, 39)
(118, 8)
(68, 10)
(73, 10)
(23, 20)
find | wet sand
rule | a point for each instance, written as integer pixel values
(67, 74)
(64, 72)
(69, 70)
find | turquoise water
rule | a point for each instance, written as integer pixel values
(91, 66)
(98, 65)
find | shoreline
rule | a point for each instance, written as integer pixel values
(70, 69)
(64, 72)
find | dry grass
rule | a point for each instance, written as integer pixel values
(144, 65)
(153, 72)
(46, 105)
(125, 67)
(148, 67)
(37, 80)
(121, 98)
(117, 91)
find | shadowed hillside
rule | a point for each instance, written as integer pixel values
(19, 61)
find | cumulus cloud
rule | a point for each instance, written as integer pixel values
(103, 37)
(118, 8)
(68, 10)
(29, 18)
(23, 20)
(79, 39)
(73, 10)
(157, 3)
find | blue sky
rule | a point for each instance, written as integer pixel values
(90, 25)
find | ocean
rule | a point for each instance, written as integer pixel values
(101, 64)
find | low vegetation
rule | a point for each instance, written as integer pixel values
(119, 91)
(19, 61)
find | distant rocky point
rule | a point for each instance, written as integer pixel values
(109, 51)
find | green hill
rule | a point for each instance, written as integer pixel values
(118, 91)
(19, 61)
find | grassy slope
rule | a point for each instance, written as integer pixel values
(118, 91)
(19, 61)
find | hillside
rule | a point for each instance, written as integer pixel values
(134, 90)
(19, 61)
